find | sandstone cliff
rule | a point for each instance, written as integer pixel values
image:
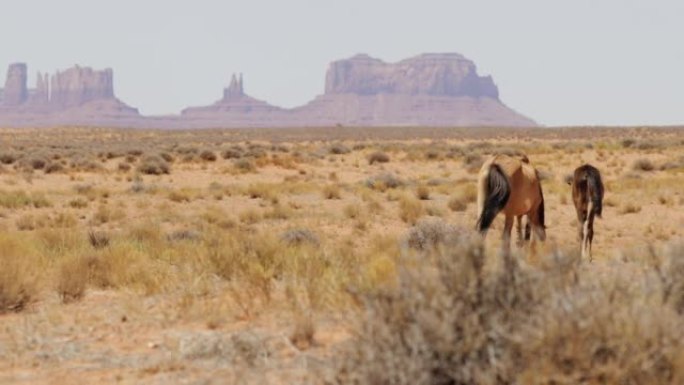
(428, 74)
(15, 92)
(79, 85)
(426, 90)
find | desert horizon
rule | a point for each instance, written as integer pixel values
(342, 193)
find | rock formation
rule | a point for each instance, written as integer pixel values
(40, 96)
(78, 95)
(426, 90)
(79, 85)
(15, 92)
(428, 74)
(235, 105)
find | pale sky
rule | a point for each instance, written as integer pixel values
(573, 62)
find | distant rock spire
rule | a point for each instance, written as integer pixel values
(41, 95)
(234, 90)
(15, 92)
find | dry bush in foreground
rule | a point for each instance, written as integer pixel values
(18, 278)
(378, 157)
(452, 318)
(154, 165)
(643, 164)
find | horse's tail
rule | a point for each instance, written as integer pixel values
(595, 191)
(492, 195)
(540, 210)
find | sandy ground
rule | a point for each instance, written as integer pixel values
(124, 336)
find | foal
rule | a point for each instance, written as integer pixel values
(510, 185)
(587, 195)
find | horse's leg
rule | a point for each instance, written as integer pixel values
(508, 227)
(581, 218)
(586, 252)
(518, 230)
(590, 233)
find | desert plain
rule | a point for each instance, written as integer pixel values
(332, 255)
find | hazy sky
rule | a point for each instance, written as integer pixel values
(566, 62)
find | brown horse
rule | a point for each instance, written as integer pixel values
(587, 195)
(510, 185)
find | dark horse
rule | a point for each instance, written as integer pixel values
(510, 185)
(587, 194)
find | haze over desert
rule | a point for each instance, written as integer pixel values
(338, 193)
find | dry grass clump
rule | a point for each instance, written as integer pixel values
(294, 237)
(18, 275)
(8, 157)
(72, 279)
(457, 203)
(423, 193)
(208, 156)
(154, 165)
(643, 164)
(430, 233)
(244, 165)
(410, 209)
(98, 239)
(250, 216)
(384, 181)
(20, 199)
(232, 153)
(339, 149)
(378, 157)
(473, 162)
(302, 336)
(450, 318)
(630, 208)
(332, 191)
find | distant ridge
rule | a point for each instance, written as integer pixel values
(438, 90)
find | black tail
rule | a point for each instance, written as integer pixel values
(540, 210)
(497, 193)
(595, 190)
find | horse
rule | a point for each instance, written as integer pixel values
(510, 185)
(587, 195)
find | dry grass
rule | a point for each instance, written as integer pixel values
(555, 324)
(410, 209)
(251, 265)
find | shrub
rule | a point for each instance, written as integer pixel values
(123, 166)
(244, 165)
(294, 237)
(339, 149)
(449, 320)
(18, 281)
(630, 208)
(38, 163)
(457, 203)
(429, 233)
(378, 157)
(78, 203)
(98, 239)
(352, 211)
(231, 153)
(154, 165)
(332, 191)
(53, 167)
(384, 181)
(167, 157)
(423, 193)
(8, 158)
(628, 142)
(410, 209)
(643, 164)
(208, 156)
(73, 276)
